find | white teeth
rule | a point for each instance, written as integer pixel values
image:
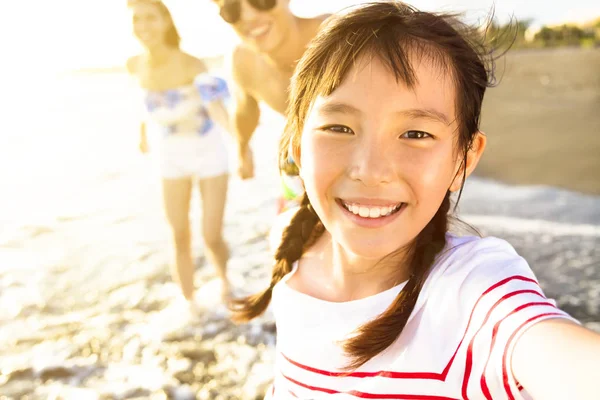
(371, 212)
(374, 212)
(259, 31)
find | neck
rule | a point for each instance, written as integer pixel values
(158, 55)
(355, 277)
(286, 55)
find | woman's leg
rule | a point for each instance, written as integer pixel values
(176, 197)
(214, 195)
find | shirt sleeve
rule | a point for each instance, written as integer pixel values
(504, 299)
(211, 88)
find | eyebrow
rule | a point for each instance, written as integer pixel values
(338, 108)
(413, 113)
(426, 113)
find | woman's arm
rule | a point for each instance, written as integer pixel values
(132, 69)
(218, 112)
(143, 142)
(558, 359)
(212, 93)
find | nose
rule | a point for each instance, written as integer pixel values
(370, 163)
(249, 13)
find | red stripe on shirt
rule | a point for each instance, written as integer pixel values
(413, 375)
(469, 357)
(385, 374)
(364, 395)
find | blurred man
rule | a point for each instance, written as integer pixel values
(273, 40)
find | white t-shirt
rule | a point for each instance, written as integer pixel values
(457, 344)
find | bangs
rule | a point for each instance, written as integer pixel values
(398, 54)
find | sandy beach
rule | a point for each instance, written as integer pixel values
(543, 120)
(87, 308)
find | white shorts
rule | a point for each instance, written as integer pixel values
(192, 155)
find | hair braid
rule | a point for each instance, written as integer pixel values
(304, 229)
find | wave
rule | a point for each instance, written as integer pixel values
(532, 207)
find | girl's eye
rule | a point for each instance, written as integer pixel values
(338, 129)
(416, 135)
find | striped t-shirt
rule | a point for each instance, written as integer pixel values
(457, 344)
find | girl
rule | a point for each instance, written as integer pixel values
(182, 103)
(373, 297)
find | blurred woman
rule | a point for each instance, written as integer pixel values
(184, 124)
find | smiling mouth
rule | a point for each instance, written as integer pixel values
(258, 31)
(367, 211)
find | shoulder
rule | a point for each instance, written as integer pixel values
(491, 295)
(240, 54)
(193, 64)
(485, 280)
(240, 62)
(472, 264)
(312, 26)
(133, 63)
(317, 22)
(470, 268)
(476, 255)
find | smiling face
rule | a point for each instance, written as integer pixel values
(265, 30)
(377, 157)
(150, 26)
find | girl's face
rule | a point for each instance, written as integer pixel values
(149, 25)
(377, 158)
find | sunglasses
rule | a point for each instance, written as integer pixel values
(231, 10)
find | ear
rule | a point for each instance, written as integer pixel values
(473, 155)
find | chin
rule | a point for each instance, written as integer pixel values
(369, 249)
(149, 43)
(265, 47)
(270, 43)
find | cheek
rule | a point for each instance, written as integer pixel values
(429, 170)
(320, 157)
(137, 25)
(321, 166)
(161, 26)
(280, 10)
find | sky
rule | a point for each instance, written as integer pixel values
(70, 34)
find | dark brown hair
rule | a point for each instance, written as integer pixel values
(395, 33)
(172, 38)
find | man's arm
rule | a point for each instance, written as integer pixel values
(244, 121)
(246, 113)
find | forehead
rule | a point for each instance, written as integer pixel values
(370, 82)
(145, 9)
